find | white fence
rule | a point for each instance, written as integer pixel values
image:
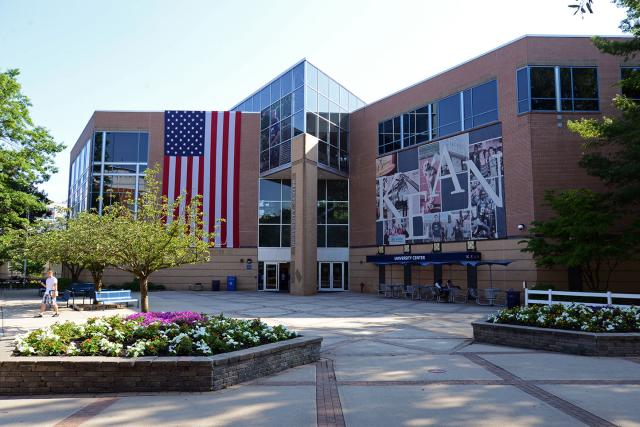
(598, 298)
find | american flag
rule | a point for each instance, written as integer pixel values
(202, 157)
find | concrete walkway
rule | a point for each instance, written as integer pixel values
(385, 363)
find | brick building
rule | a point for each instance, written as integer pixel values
(335, 194)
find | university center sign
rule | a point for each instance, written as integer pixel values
(444, 191)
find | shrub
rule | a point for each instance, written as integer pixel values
(134, 286)
(578, 317)
(182, 333)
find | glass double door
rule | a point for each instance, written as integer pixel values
(275, 276)
(332, 276)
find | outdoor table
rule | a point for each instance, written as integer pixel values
(421, 289)
(491, 295)
(396, 290)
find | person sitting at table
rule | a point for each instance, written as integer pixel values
(443, 290)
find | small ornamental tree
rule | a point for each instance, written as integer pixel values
(580, 235)
(156, 237)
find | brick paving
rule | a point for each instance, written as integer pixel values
(372, 345)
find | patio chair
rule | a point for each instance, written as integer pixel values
(440, 295)
(388, 291)
(428, 293)
(381, 288)
(409, 291)
(458, 295)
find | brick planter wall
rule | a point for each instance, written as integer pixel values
(563, 341)
(50, 375)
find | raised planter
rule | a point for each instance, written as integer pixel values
(83, 374)
(560, 340)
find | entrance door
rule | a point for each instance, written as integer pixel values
(271, 276)
(331, 276)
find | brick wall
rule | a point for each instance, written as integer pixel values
(53, 375)
(574, 342)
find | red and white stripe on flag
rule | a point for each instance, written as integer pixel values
(214, 174)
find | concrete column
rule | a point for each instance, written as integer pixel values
(304, 197)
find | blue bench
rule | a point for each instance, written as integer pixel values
(115, 297)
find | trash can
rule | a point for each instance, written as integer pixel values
(231, 283)
(215, 285)
(513, 298)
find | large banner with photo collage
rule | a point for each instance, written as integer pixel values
(445, 191)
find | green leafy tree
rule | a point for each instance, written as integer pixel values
(145, 241)
(580, 235)
(26, 160)
(82, 242)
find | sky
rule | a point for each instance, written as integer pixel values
(76, 57)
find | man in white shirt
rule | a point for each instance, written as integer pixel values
(50, 294)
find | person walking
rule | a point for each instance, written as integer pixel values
(50, 294)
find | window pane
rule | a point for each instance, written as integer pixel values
(143, 148)
(333, 135)
(124, 146)
(337, 213)
(338, 190)
(322, 212)
(323, 130)
(286, 106)
(312, 124)
(298, 75)
(543, 104)
(344, 98)
(270, 189)
(312, 75)
(275, 91)
(269, 236)
(485, 98)
(265, 118)
(264, 160)
(449, 109)
(269, 212)
(298, 123)
(542, 82)
(286, 236)
(585, 83)
(334, 91)
(630, 92)
(286, 212)
(311, 100)
(97, 149)
(323, 107)
(585, 105)
(265, 98)
(264, 139)
(285, 83)
(322, 189)
(322, 153)
(274, 135)
(298, 99)
(334, 160)
(286, 190)
(337, 236)
(323, 83)
(274, 157)
(565, 83)
(322, 240)
(285, 129)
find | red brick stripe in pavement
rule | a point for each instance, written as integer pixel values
(328, 406)
(86, 413)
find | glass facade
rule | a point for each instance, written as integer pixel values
(554, 88)
(79, 180)
(333, 213)
(119, 163)
(461, 111)
(274, 213)
(303, 99)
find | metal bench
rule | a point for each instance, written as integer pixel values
(115, 297)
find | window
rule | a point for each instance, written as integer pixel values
(449, 109)
(543, 88)
(274, 213)
(522, 83)
(630, 92)
(547, 88)
(333, 213)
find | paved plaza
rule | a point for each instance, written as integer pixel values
(385, 362)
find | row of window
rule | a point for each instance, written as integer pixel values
(546, 88)
(277, 89)
(463, 110)
(274, 213)
(78, 183)
(333, 213)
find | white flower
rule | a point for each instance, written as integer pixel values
(203, 347)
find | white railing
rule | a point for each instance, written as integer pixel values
(608, 296)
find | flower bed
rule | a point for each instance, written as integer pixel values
(576, 317)
(150, 334)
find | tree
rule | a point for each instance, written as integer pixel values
(83, 242)
(146, 241)
(580, 235)
(26, 160)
